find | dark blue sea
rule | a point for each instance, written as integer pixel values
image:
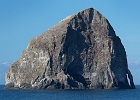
(133, 94)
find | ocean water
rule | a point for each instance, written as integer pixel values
(130, 94)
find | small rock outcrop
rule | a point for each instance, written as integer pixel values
(81, 52)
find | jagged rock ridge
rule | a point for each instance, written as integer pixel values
(81, 51)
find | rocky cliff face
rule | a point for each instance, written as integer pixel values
(81, 51)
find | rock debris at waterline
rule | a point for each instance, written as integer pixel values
(81, 52)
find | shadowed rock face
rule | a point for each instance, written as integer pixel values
(81, 51)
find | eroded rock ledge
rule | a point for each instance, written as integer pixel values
(81, 52)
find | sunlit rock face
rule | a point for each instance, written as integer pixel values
(81, 52)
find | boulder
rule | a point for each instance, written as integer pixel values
(81, 52)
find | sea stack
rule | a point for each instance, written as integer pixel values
(81, 52)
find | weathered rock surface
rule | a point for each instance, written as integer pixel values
(81, 51)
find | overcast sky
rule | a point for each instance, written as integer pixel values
(22, 20)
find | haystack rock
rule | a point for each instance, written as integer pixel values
(81, 52)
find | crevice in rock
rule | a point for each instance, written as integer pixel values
(131, 80)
